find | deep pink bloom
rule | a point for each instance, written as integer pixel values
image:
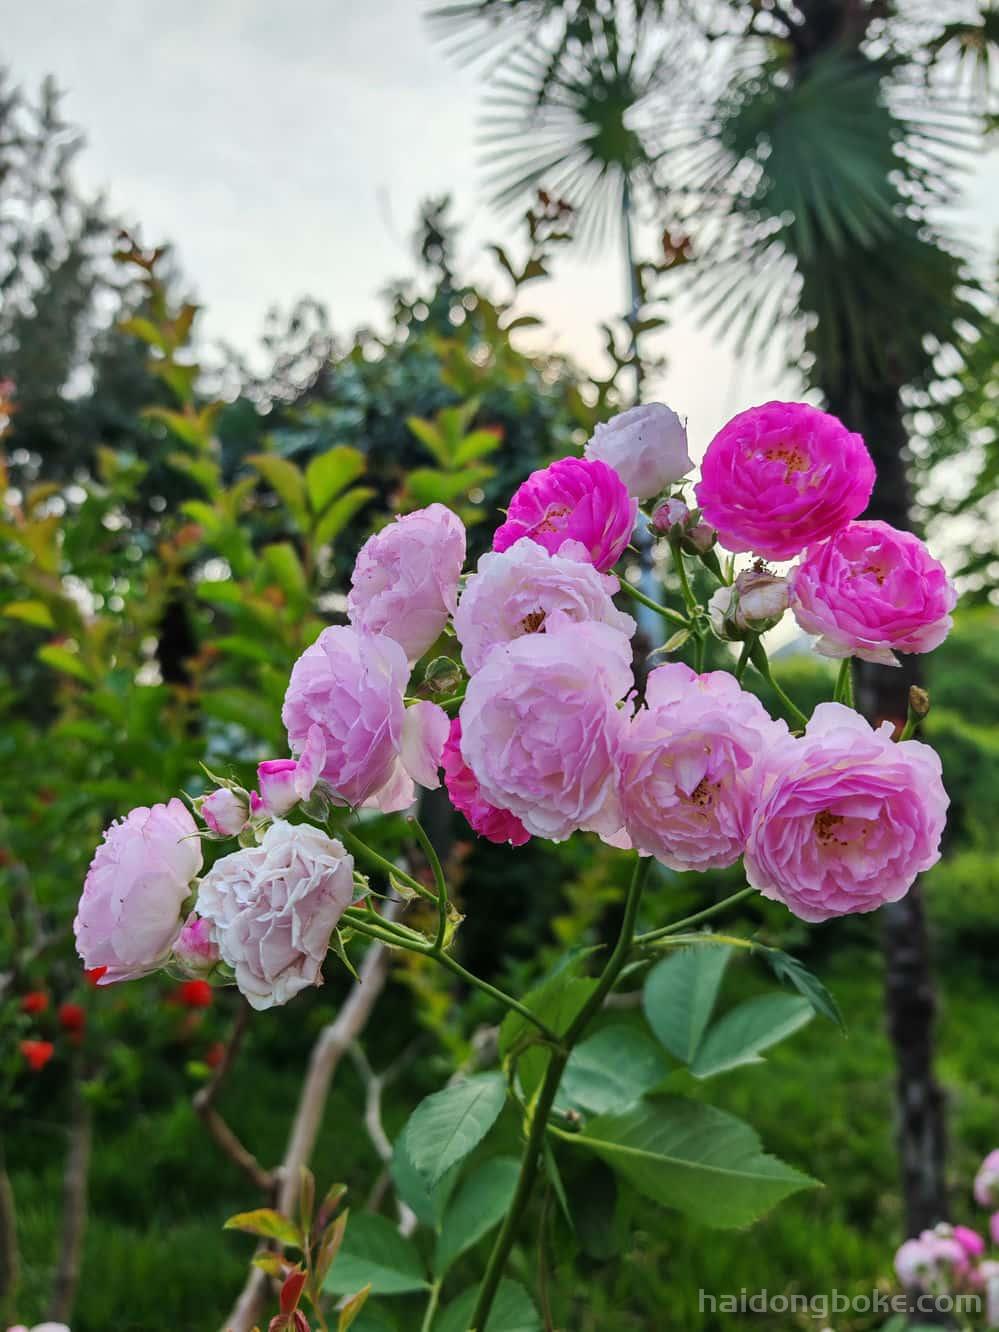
(195, 950)
(870, 589)
(848, 818)
(284, 783)
(405, 580)
(350, 686)
(970, 1241)
(575, 499)
(986, 1186)
(129, 914)
(225, 813)
(496, 825)
(690, 767)
(521, 591)
(646, 446)
(778, 477)
(541, 730)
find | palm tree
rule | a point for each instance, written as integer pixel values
(811, 147)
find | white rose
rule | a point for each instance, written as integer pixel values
(273, 908)
(646, 446)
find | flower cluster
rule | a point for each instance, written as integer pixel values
(949, 1260)
(551, 734)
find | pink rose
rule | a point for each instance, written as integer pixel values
(994, 1227)
(273, 907)
(518, 591)
(575, 499)
(970, 1241)
(225, 813)
(848, 817)
(285, 783)
(541, 731)
(871, 588)
(646, 446)
(195, 950)
(931, 1262)
(986, 1186)
(778, 477)
(754, 603)
(129, 914)
(690, 780)
(496, 825)
(350, 686)
(405, 581)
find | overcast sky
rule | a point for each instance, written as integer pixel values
(284, 149)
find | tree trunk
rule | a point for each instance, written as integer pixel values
(910, 997)
(74, 1207)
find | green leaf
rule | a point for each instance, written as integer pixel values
(431, 437)
(62, 659)
(428, 1205)
(556, 1002)
(744, 1032)
(790, 971)
(284, 479)
(478, 444)
(679, 996)
(373, 1252)
(449, 1124)
(351, 1309)
(512, 1311)
(268, 1224)
(611, 1069)
(329, 473)
(30, 612)
(693, 1157)
(426, 486)
(339, 514)
(285, 568)
(480, 1203)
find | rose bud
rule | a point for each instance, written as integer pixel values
(195, 950)
(225, 811)
(34, 1002)
(754, 603)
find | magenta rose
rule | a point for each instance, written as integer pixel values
(690, 767)
(130, 911)
(195, 950)
(405, 580)
(646, 446)
(870, 591)
(848, 817)
(495, 825)
(575, 499)
(779, 477)
(520, 590)
(541, 731)
(350, 686)
(272, 909)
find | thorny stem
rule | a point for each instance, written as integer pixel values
(546, 1098)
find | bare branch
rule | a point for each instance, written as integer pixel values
(223, 1136)
(74, 1205)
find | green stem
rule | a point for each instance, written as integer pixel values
(431, 1309)
(843, 692)
(674, 617)
(455, 700)
(680, 925)
(530, 1161)
(689, 600)
(758, 656)
(438, 871)
(354, 843)
(743, 662)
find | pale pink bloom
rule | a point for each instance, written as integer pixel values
(970, 1241)
(690, 767)
(225, 813)
(285, 783)
(754, 603)
(778, 477)
(986, 1186)
(671, 516)
(575, 499)
(129, 914)
(541, 731)
(932, 1262)
(496, 825)
(870, 589)
(195, 950)
(994, 1227)
(848, 818)
(273, 908)
(405, 580)
(646, 446)
(518, 591)
(350, 686)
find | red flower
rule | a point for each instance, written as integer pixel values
(215, 1054)
(37, 1053)
(72, 1018)
(195, 994)
(94, 975)
(35, 1001)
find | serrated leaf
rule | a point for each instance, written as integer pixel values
(512, 1311)
(480, 1203)
(611, 1069)
(449, 1124)
(679, 996)
(556, 1001)
(268, 1224)
(428, 1205)
(693, 1157)
(789, 970)
(374, 1253)
(744, 1032)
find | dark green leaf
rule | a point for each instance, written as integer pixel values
(449, 1124)
(374, 1252)
(743, 1033)
(680, 994)
(480, 1203)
